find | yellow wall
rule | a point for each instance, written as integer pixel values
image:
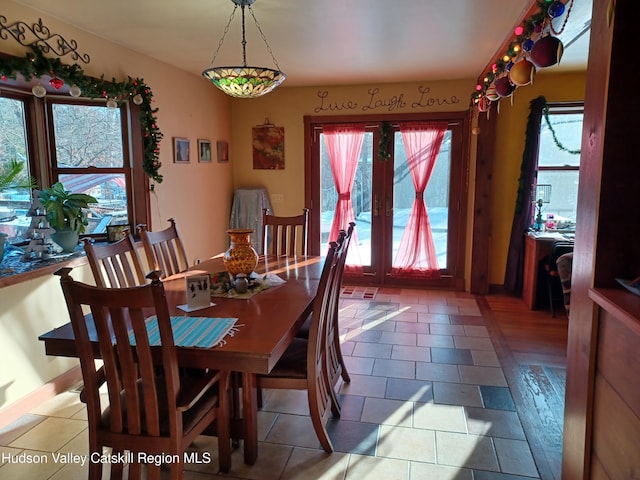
(197, 195)
(511, 126)
(286, 107)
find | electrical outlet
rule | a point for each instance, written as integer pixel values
(277, 198)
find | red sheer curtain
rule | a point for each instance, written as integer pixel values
(416, 256)
(344, 144)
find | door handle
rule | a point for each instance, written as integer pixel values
(388, 207)
(376, 205)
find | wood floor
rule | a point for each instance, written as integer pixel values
(531, 346)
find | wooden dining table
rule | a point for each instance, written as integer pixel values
(267, 323)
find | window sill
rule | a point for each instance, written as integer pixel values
(14, 271)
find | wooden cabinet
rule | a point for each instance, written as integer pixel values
(616, 399)
(603, 394)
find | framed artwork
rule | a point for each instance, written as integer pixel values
(181, 149)
(223, 151)
(204, 150)
(268, 147)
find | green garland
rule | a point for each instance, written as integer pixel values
(529, 26)
(545, 112)
(35, 64)
(384, 144)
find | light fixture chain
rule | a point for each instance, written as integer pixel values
(224, 34)
(244, 41)
(264, 38)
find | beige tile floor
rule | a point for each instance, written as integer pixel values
(427, 400)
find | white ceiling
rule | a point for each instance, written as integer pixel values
(321, 42)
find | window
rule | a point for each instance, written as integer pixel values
(90, 156)
(559, 162)
(14, 202)
(87, 146)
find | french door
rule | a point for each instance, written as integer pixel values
(385, 200)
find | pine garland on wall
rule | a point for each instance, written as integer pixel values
(35, 65)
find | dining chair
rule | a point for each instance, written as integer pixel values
(337, 367)
(554, 285)
(151, 410)
(115, 265)
(285, 235)
(164, 249)
(303, 365)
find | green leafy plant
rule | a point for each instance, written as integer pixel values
(12, 176)
(66, 210)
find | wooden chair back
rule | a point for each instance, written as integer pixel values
(147, 411)
(337, 367)
(285, 235)
(292, 372)
(164, 249)
(115, 265)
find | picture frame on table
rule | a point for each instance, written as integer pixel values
(222, 149)
(204, 150)
(181, 150)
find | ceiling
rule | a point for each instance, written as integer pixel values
(321, 42)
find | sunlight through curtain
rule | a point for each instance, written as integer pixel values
(416, 256)
(344, 144)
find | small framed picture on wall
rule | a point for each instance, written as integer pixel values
(223, 151)
(180, 150)
(204, 150)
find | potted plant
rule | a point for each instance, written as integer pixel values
(66, 214)
(12, 176)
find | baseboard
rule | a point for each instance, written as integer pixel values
(47, 391)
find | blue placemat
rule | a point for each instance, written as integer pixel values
(203, 332)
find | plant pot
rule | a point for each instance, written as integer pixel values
(240, 257)
(66, 239)
(3, 238)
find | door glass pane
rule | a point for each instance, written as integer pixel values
(87, 136)
(110, 191)
(360, 196)
(14, 202)
(436, 197)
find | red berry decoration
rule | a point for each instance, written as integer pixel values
(56, 83)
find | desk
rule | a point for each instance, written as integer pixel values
(267, 324)
(537, 245)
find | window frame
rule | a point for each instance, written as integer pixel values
(41, 144)
(557, 108)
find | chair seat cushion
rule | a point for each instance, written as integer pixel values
(189, 418)
(293, 363)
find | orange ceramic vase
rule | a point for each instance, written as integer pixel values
(241, 256)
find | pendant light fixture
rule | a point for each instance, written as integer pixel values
(244, 81)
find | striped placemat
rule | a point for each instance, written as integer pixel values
(203, 332)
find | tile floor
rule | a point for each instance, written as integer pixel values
(427, 400)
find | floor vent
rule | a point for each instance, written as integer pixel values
(360, 293)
